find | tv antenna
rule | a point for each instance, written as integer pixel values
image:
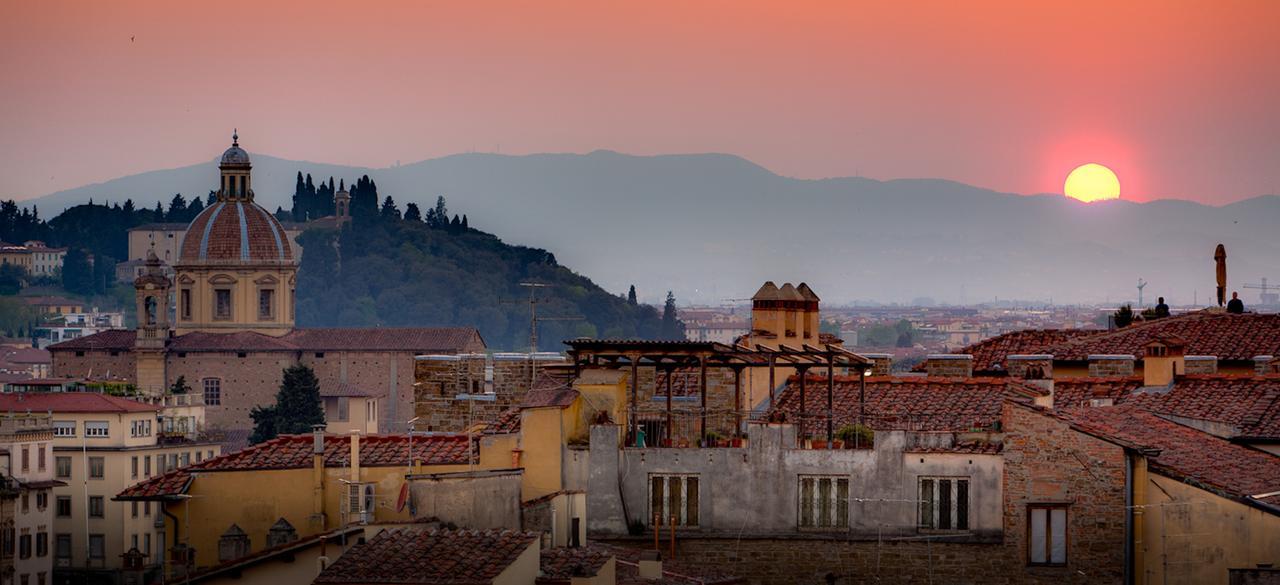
(534, 319)
(1141, 284)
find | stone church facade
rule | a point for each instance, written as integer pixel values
(233, 330)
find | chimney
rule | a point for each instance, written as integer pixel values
(1201, 364)
(317, 478)
(1163, 360)
(881, 363)
(1110, 365)
(949, 365)
(812, 319)
(1260, 363)
(355, 457)
(650, 565)
(1035, 370)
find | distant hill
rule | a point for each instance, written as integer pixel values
(715, 226)
(393, 272)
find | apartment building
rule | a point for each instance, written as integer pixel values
(103, 444)
(26, 518)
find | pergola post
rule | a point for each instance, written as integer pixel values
(803, 407)
(668, 430)
(702, 386)
(737, 399)
(831, 390)
(635, 404)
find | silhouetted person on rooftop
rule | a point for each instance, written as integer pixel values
(1162, 310)
(1235, 305)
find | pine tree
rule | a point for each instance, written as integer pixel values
(177, 208)
(631, 296)
(77, 275)
(672, 327)
(128, 206)
(442, 213)
(465, 225)
(157, 215)
(389, 210)
(211, 198)
(194, 208)
(283, 215)
(297, 408)
(412, 213)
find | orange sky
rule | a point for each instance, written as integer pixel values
(1180, 98)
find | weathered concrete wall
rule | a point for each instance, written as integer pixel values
(479, 500)
(755, 489)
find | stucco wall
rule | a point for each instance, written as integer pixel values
(469, 500)
(754, 490)
(1194, 536)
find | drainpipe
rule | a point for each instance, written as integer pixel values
(1139, 500)
(355, 457)
(164, 510)
(317, 476)
(1128, 518)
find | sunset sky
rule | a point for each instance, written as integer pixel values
(1181, 99)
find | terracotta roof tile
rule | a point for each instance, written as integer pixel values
(899, 402)
(1225, 335)
(1187, 454)
(294, 452)
(412, 339)
(507, 422)
(117, 339)
(989, 354)
(565, 563)
(408, 555)
(230, 231)
(1248, 404)
(70, 402)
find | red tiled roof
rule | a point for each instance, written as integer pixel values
(1227, 336)
(562, 563)
(549, 390)
(413, 339)
(507, 422)
(24, 355)
(407, 555)
(900, 402)
(420, 339)
(117, 339)
(70, 402)
(1187, 454)
(237, 341)
(989, 354)
(1248, 404)
(294, 452)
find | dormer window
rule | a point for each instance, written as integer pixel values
(266, 304)
(222, 303)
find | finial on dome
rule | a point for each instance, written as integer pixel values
(235, 137)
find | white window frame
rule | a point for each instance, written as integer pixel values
(681, 480)
(1051, 547)
(64, 428)
(933, 501)
(97, 429)
(212, 383)
(820, 505)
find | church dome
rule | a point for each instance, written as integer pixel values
(235, 155)
(235, 232)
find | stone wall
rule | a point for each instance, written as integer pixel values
(451, 393)
(949, 365)
(1048, 462)
(1200, 364)
(1110, 366)
(95, 364)
(882, 363)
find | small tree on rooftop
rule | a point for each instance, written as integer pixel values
(180, 386)
(1124, 315)
(297, 408)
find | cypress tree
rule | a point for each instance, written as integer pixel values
(631, 296)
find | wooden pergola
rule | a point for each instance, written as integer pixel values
(668, 356)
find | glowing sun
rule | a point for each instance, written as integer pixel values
(1092, 182)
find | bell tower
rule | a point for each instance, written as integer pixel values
(151, 293)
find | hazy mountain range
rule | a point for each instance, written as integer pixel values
(714, 227)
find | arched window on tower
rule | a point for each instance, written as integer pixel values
(149, 305)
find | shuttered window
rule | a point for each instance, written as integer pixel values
(944, 503)
(824, 502)
(673, 498)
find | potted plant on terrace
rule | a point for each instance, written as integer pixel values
(856, 436)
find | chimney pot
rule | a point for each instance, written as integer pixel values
(949, 365)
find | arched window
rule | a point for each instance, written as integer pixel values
(149, 307)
